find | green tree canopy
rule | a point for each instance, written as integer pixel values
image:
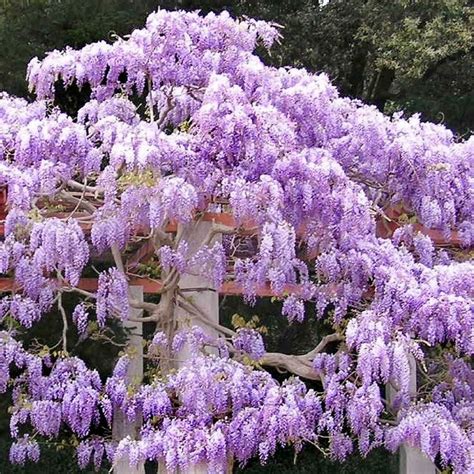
(399, 54)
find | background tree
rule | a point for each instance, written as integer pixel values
(397, 55)
(415, 56)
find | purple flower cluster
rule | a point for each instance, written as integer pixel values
(24, 310)
(159, 339)
(194, 338)
(94, 450)
(24, 449)
(112, 296)
(70, 395)
(250, 342)
(174, 258)
(210, 262)
(80, 318)
(145, 53)
(254, 413)
(109, 228)
(58, 245)
(432, 429)
(173, 198)
(280, 150)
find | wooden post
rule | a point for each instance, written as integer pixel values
(412, 460)
(121, 426)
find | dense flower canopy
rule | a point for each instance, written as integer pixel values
(185, 120)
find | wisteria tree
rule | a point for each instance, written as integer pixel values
(188, 148)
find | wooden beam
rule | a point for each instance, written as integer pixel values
(151, 286)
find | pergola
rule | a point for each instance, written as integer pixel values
(206, 297)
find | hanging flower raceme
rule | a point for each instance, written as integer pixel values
(23, 450)
(432, 429)
(173, 198)
(58, 245)
(250, 342)
(255, 416)
(80, 318)
(67, 396)
(112, 296)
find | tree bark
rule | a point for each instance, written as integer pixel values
(356, 75)
(381, 92)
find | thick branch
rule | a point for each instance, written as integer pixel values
(83, 187)
(150, 307)
(79, 202)
(297, 365)
(194, 310)
(166, 110)
(117, 258)
(65, 323)
(322, 345)
(85, 293)
(300, 364)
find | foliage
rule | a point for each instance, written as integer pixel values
(30, 28)
(400, 55)
(417, 55)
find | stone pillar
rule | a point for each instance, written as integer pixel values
(121, 426)
(198, 289)
(412, 460)
(201, 292)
